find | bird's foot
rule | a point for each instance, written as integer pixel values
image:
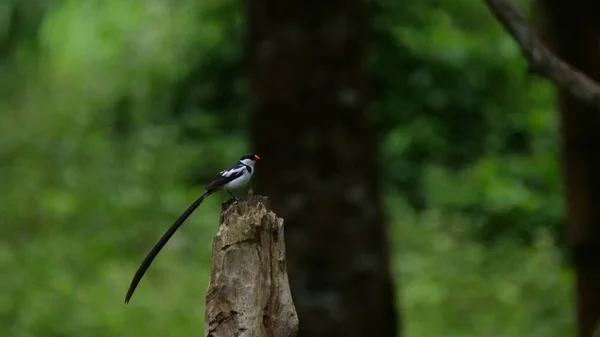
(233, 197)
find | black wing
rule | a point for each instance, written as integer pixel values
(161, 243)
(233, 172)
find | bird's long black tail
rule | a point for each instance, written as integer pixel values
(162, 242)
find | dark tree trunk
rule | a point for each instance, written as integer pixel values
(573, 31)
(307, 66)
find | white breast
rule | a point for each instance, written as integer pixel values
(239, 182)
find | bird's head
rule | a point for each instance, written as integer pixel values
(249, 159)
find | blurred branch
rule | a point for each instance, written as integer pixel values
(10, 37)
(541, 60)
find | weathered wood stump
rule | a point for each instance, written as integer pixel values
(248, 293)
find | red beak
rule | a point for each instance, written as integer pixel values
(256, 157)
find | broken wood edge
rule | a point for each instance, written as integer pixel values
(248, 292)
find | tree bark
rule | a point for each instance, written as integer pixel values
(248, 294)
(573, 32)
(307, 62)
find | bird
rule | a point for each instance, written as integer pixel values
(233, 178)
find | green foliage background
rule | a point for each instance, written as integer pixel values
(113, 112)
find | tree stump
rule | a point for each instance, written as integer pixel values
(248, 293)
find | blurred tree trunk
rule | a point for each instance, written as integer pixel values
(307, 62)
(573, 32)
